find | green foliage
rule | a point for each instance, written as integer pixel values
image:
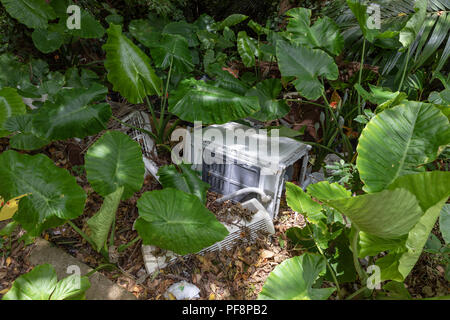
(198, 101)
(54, 194)
(177, 221)
(115, 161)
(294, 279)
(42, 283)
(187, 180)
(101, 222)
(410, 135)
(129, 69)
(306, 65)
(11, 104)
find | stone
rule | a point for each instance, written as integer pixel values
(101, 287)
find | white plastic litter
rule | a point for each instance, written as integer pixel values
(183, 291)
(140, 119)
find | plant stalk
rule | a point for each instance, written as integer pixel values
(404, 69)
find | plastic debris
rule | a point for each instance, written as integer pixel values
(182, 291)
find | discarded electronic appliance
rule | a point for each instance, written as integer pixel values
(243, 163)
(253, 176)
(261, 221)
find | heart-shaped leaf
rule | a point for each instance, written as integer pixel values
(198, 101)
(408, 136)
(41, 283)
(73, 114)
(267, 92)
(115, 161)
(54, 194)
(172, 49)
(46, 40)
(145, 32)
(11, 104)
(323, 34)
(294, 278)
(177, 221)
(32, 13)
(25, 137)
(306, 65)
(129, 69)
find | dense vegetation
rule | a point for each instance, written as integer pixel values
(376, 88)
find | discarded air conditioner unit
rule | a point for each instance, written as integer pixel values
(244, 163)
(242, 173)
(261, 221)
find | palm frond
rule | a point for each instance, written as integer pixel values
(430, 47)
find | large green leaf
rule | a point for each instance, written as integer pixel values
(229, 21)
(247, 48)
(360, 11)
(129, 68)
(13, 72)
(54, 194)
(388, 214)
(41, 283)
(46, 40)
(101, 222)
(172, 49)
(115, 161)
(174, 220)
(302, 203)
(11, 104)
(187, 180)
(25, 137)
(306, 65)
(184, 29)
(444, 223)
(90, 27)
(325, 191)
(323, 34)
(73, 114)
(145, 32)
(409, 32)
(224, 80)
(380, 96)
(398, 141)
(294, 278)
(32, 13)
(267, 92)
(198, 101)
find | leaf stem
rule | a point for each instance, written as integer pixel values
(354, 245)
(333, 274)
(356, 293)
(81, 233)
(361, 67)
(404, 69)
(124, 247)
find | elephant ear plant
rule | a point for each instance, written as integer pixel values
(390, 224)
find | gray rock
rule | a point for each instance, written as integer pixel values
(101, 287)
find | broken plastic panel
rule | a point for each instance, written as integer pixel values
(241, 171)
(261, 221)
(140, 119)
